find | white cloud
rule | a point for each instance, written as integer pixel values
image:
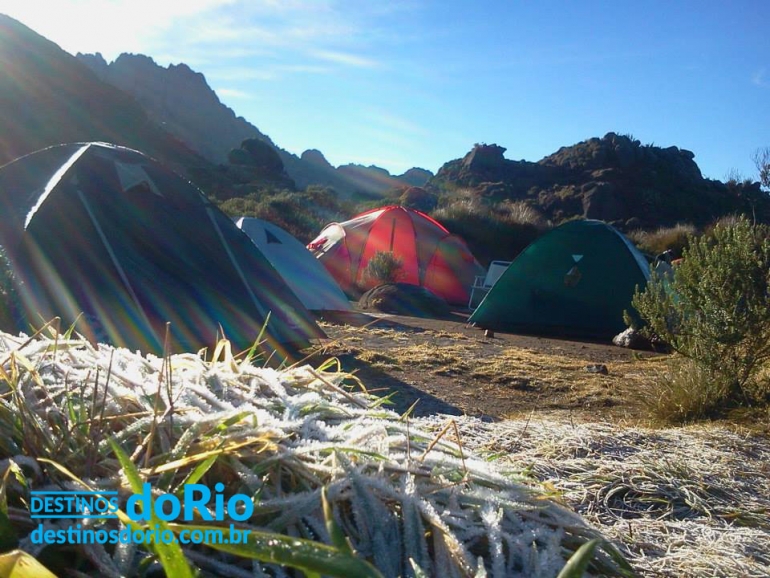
(228, 40)
(232, 93)
(344, 58)
(760, 78)
(151, 26)
(268, 71)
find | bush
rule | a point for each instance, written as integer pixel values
(384, 267)
(715, 313)
(674, 239)
(303, 214)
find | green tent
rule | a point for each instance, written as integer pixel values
(113, 242)
(575, 281)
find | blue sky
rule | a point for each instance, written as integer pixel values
(417, 83)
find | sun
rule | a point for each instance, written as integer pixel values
(108, 27)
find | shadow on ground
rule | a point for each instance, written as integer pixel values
(401, 394)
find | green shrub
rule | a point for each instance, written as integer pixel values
(240, 207)
(384, 267)
(715, 313)
(303, 214)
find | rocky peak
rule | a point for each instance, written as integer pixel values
(484, 157)
(622, 152)
(316, 157)
(95, 62)
(180, 100)
(177, 82)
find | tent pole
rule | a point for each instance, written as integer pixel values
(52, 182)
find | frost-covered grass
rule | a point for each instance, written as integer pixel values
(681, 502)
(352, 485)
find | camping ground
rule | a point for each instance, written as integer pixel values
(679, 501)
(448, 367)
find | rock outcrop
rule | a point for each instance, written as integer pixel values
(614, 178)
(257, 164)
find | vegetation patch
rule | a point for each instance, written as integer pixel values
(492, 232)
(714, 312)
(384, 267)
(681, 502)
(339, 485)
(675, 239)
(446, 359)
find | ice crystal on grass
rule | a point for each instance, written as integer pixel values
(404, 497)
(681, 502)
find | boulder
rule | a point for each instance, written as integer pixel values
(633, 339)
(484, 157)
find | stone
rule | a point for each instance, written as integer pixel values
(599, 368)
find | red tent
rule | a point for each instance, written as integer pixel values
(431, 256)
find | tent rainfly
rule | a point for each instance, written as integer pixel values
(431, 256)
(576, 280)
(115, 243)
(303, 273)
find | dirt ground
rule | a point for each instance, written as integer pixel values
(448, 367)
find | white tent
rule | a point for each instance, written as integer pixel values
(302, 272)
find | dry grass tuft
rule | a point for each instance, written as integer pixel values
(447, 359)
(675, 238)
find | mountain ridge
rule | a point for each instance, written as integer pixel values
(180, 99)
(48, 97)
